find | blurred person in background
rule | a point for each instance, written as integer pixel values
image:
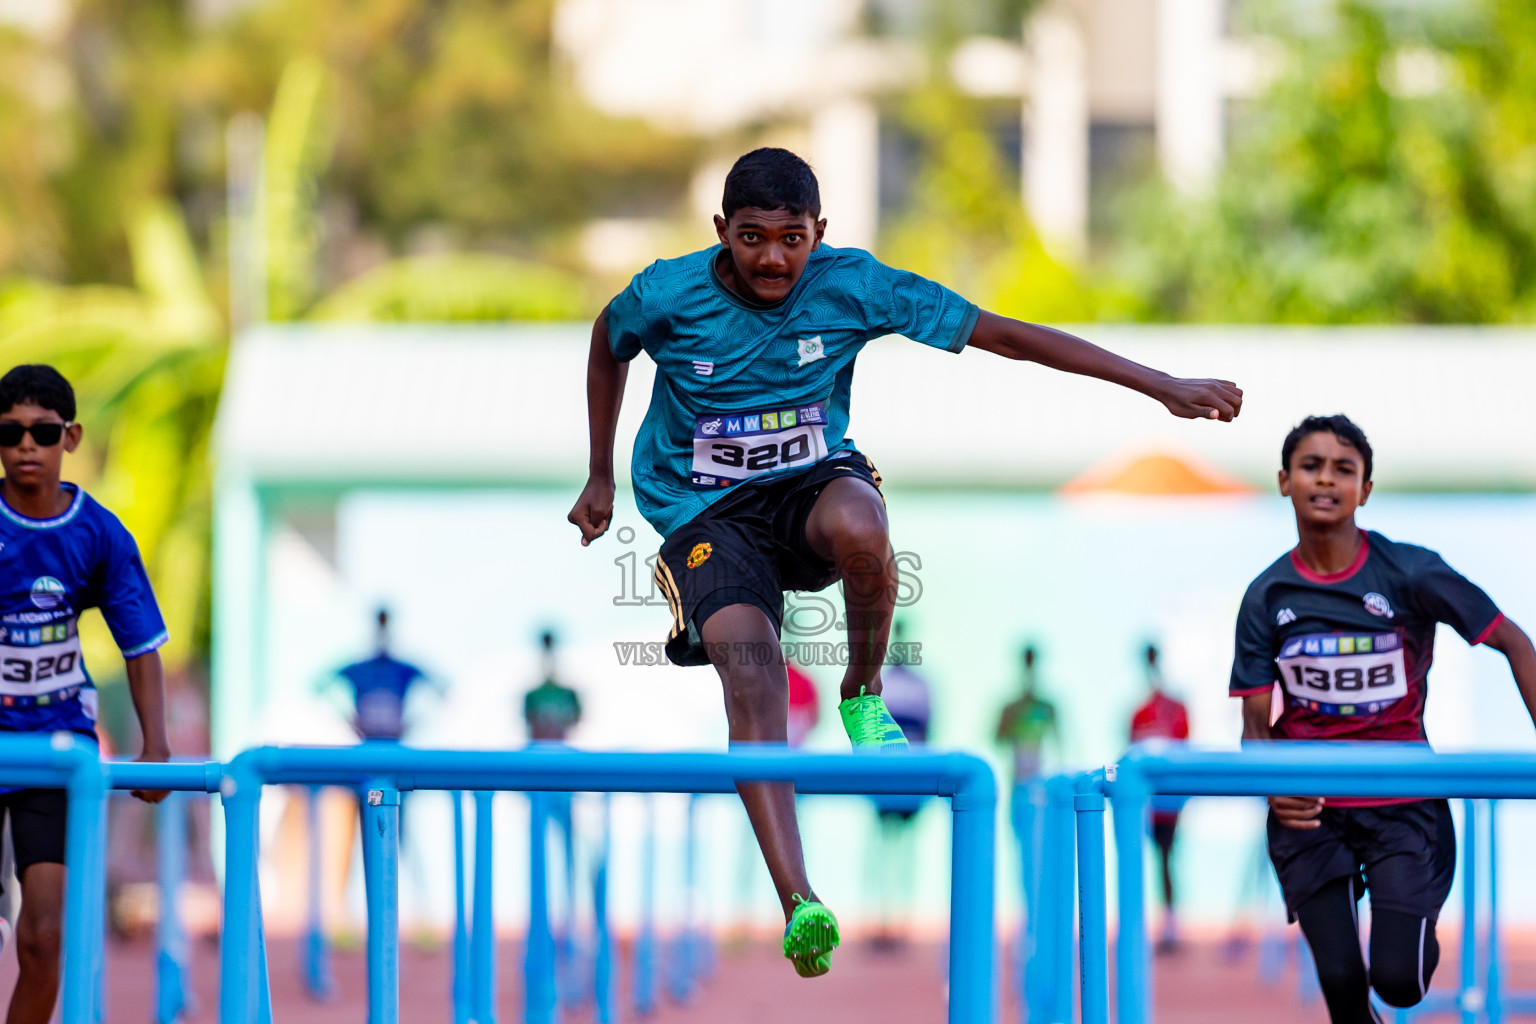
(909, 699)
(1024, 727)
(804, 705)
(380, 685)
(1028, 722)
(1162, 716)
(550, 710)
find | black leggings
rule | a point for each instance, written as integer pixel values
(1403, 953)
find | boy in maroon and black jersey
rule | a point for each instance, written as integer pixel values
(1345, 625)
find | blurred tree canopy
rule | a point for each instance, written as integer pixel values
(964, 223)
(442, 125)
(1388, 175)
(393, 129)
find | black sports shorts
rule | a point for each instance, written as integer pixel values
(1404, 853)
(748, 548)
(37, 825)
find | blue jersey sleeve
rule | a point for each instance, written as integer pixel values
(126, 599)
(627, 325)
(900, 302)
(1445, 595)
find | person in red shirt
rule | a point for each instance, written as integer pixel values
(1162, 716)
(804, 711)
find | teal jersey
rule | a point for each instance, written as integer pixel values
(745, 391)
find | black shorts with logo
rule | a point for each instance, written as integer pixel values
(748, 547)
(37, 825)
(1404, 853)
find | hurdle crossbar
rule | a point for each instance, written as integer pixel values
(383, 772)
(1312, 768)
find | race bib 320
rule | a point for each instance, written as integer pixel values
(36, 660)
(729, 448)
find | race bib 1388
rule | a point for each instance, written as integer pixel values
(1344, 674)
(729, 448)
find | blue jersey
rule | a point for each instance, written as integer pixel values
(379, 686)
(51, 570)
(743, 391)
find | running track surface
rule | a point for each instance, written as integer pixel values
(1199, 985)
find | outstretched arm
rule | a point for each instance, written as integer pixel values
(1510, 640)
(1190, 399)
(605, 393)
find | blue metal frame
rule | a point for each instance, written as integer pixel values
(315, 969)
(65, 761)
(1323, 769)
(965, 779)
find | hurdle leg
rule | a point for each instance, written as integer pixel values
(1133, 979)
(171, 937)
(1470, 998)
(317, 954)
(605, 1006)
(483, 937)
(1089, 805)
(460, 991)
(644, 989)
(1057, 875)
(381, 869)
(685, 966)
(239, 1002)
(539, 953)
(1495, 984)
(972, 999)
(85, 889)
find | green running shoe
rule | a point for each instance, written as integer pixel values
(810, 937)
(869, 725)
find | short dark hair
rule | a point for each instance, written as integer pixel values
(37, 384)
(1339, 425)
(772, 179)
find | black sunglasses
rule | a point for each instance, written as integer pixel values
(45, 434)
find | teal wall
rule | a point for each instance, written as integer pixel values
(472, 576)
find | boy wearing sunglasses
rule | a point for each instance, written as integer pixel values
(60, 553)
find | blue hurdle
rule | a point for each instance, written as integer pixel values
(383, 773)
(1334, 769)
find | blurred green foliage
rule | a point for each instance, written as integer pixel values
(463, 286)
(1388, 175)
(965, 224)
(383, 117)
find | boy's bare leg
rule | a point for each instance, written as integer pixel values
(847, 526)
(37, 944)
(739, 637)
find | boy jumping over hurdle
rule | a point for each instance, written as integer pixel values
(744, 465)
